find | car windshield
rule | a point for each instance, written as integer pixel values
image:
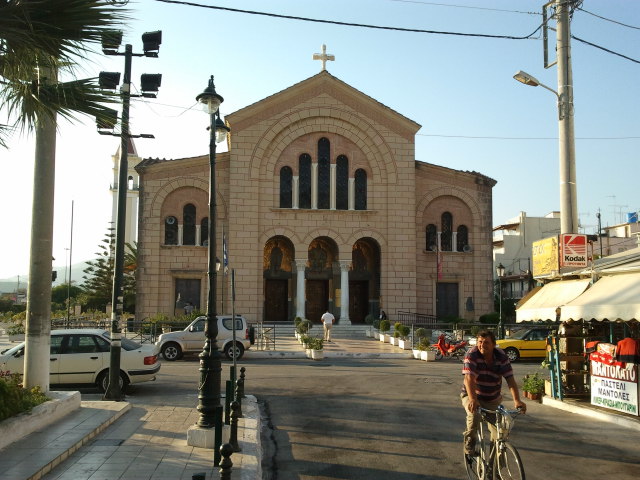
(126, 343)
(519, 335)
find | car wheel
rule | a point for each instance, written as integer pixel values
(171, 351)
(229, 351)
(512, 353)
(103, 381)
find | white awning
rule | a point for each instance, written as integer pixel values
(615, 297)
(543, 305)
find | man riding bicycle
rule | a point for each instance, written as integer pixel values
(484, 367)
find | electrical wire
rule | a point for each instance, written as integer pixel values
(608, 19)
(472, 137)
(467, 6)
(348, 24)
(605, 49)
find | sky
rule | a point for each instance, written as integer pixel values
(460, 89)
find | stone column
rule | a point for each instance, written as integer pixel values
(180, 228)
(454, 241)
(300, 266)
(197, 235)
(352, 193)
(344, 292)
(314, 186)
(332, 189)
(295, 190)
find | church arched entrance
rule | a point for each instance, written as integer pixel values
(364, 280)
(277, 272)
(321, 270)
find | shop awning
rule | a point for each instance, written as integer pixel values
(543, 305)
(615, 297)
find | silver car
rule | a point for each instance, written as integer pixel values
(174, 345)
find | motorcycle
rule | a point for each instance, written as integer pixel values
(444, 348)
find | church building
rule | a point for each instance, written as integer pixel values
(323, 206)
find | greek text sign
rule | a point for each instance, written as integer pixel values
(615, 387)
(545, 256)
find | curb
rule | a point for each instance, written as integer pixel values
(595, 414)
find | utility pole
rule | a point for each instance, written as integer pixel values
(568, 191)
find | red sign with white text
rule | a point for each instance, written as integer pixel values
(573, 250)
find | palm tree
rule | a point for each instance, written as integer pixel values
(37, 40)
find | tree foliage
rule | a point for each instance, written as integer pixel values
(98, 285)
(51, 35)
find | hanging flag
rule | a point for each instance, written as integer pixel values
(225, 254)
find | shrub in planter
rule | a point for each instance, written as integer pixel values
(369, 319)
(376, 324)
(16, 329)
(14, 399)
(316, 344)
(385, 326)
(404, 330)
(304, 326)
(296, 322)
(533, 384)
(421, 333)
(424, 344)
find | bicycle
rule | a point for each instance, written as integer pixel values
(484, 464)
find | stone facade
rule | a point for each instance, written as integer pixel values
(323, 206)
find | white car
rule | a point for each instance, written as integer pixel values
(174, 345)
(82, 356)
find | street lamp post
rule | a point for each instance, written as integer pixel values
(209, 404)
(500, 274)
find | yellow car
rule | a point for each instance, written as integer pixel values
(527, 343)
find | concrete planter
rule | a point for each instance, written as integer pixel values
(16, 337)
(384, 337)
(416, 353)
(404, 344)
(317, 354)
(393, 340)
(428, 355)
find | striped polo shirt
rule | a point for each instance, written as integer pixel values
(488, 377)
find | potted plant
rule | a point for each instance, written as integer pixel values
(369, 321)
(296, 324)
(376, 328)
(16, 332)
(426, 354)
(420, 333)
(384, 329)
(404, 342)
(317, 348)
(533, 386)
(303, 327)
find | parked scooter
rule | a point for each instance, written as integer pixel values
(446, 349)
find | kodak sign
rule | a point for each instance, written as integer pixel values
(573, 250)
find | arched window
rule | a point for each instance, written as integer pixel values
(286, 178)
(447, 232)
(204, 232)
(324, 173)
(171, 230)
(462, 238)
(304, 190)
(189, 224)
(361, 189)
(130, 183)
(432, 237)
(342, 183)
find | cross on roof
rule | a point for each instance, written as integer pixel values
(323, 57)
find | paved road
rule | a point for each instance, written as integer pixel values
(399, 420)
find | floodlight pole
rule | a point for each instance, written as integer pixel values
(114, 392)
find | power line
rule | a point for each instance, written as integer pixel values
(605, 49)
(473, 137)
(608, 19)
(348, 24)
(467, 6)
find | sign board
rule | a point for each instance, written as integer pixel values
(615, 387)
(573, 250)
(544, 254)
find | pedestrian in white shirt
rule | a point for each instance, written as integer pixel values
(328, 320)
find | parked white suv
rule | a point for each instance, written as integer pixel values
(191, 340)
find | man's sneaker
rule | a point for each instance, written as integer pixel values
(468, 458)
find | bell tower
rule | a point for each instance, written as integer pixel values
(133, 190)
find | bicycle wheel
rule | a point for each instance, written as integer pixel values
(476, 463)
(507, 464)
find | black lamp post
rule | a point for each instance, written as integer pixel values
(500, 273)
(209, 404)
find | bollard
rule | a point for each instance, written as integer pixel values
(232, 374)
(199, 476)
(233, 435)
(225, 464)
(227, 401)
(242, 376)
(239, 389)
